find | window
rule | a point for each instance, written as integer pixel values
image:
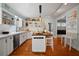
(61, 24)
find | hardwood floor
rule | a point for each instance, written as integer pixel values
(59, 50)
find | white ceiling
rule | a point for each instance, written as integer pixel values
(48, 9)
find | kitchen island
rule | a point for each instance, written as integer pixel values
(39, 41)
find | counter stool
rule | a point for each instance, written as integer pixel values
(62, 36)
(50, 42)
(70, 42)
(70, 36)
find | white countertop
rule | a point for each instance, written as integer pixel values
(5, 35)
(10, 34)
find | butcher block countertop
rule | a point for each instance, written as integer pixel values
(47, 34)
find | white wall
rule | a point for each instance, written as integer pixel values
(10, 28)
(0, 14)
(35, 28)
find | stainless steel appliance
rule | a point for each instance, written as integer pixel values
(16, 39)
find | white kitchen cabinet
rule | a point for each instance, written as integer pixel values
(6, 45)
(25, 36)
(2, 47)
(11, 42)
(21, 39)
(72, 28)
(9, 45)
(29, 35)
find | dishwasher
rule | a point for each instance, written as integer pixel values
(16, 39)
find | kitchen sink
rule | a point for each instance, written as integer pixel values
(6, 32)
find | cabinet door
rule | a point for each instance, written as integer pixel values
(25, 37)
(29, 35)
(2, 47)
(21, 39)
(11, 43)
(8, 46)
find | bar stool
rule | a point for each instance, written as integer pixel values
(70, 42)
(62, 36)
(70, 36)
(50, 42)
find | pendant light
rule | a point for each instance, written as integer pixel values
(40, 11)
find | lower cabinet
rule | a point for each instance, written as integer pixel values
(2, 47)
(6, 43)
(6, 46)
(9, 45)
(29, 35)
(25, 36)
(22, 38)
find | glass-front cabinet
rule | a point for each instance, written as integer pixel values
(7, 18)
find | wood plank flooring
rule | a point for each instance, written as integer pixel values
(59, 50)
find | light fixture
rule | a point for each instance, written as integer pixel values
(40, 11)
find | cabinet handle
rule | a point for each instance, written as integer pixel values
(6, 40)
(10, 37)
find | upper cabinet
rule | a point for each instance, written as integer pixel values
(7, 15)
(72, 20)
(36, 23)
(10, 16)
(7, 18)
